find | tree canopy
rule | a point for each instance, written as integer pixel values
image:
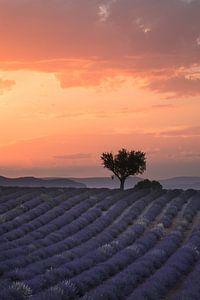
(124, 164)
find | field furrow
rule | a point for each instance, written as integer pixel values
(94, 244)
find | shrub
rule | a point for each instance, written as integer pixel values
(148, 184)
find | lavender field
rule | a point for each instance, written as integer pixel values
(93, 244)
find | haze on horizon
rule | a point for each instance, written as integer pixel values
(79, 77)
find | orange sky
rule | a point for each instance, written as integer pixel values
(81, 77)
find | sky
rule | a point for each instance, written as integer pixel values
(82, 77)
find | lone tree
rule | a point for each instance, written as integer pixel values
(124, 164)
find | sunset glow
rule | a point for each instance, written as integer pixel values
(79, 77)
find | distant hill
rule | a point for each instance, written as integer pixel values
(184, 182)
(40, 182)
(107, 182)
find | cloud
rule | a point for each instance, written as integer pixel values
(85, 43)
(113, 113)
(177, 86)
(163, 106)
(190, 154)
(74, 156)
(43, 156)
(187, 132)
(103, 12)
(6, 85)
(179, 132)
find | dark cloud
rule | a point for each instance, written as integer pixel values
(86, 42)
(178, 86)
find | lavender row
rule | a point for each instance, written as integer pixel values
(56, 260)
(19, 209)
(179, 265)
(68, 243)
(115, 247)
(5, 192)
(41, 204)
(11, 200)
(121, 284)
(100, 225)
(22, 196)
(60, 217)
(97, 255)
(175, 206)
(190, 287)
(69, 287)
(110, 257)
(41, 216)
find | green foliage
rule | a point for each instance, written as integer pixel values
(125, 163)
(148, 184)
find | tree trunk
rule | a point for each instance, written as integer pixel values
(122, 181)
